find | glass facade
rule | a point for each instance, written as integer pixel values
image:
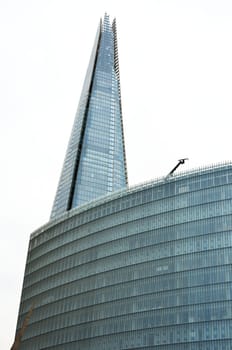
(144, 268)
(95, 161)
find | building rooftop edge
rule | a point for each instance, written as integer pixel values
(128, 190)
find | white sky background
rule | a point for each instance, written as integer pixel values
(176, 77)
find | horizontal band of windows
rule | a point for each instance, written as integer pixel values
(166, 265)
(167, 338)
(189, 296)
(123, 286)
(80, 256)
(134, 240)
(100, 328)
(127, 224)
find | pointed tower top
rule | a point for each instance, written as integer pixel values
(95, 163)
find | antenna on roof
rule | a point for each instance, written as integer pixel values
(180, 161)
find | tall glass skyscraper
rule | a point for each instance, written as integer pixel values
(95, 162)
(147, 267)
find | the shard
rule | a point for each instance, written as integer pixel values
(95, 162)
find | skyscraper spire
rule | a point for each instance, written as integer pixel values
(95, 163)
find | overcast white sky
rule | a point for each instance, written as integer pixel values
(176, 77)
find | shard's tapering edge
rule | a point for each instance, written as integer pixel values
(65, 189)
(116, 67)
(75, 170)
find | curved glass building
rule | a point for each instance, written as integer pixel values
(147, 267)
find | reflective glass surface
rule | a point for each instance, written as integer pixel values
(148, 268)
(95, 161)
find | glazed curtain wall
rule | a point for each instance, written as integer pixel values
(150, 269)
